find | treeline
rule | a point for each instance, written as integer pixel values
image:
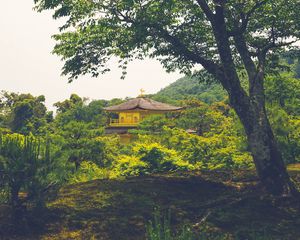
(40, 152)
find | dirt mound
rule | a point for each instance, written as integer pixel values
(119, 209)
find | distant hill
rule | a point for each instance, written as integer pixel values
(188, 87)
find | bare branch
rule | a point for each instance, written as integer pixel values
(273, 45)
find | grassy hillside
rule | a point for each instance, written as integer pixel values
(188, 87)
(230, 205)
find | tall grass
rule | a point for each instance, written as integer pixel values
(160, 229)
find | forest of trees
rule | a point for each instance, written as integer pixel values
(70, 146)
(230, 155)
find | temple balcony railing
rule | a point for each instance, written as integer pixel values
(117, 123)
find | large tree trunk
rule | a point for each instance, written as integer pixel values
(251, 107)
(267, 157)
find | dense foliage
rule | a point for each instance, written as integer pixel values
(226, 38)
(72, 146)
(191, 87)
(26, 166)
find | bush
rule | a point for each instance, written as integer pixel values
(153, 124)
(129, 166)
(89, 171)
(159, 158)
(146, 158)
(104, 150)
(207, 152)
(26, 166)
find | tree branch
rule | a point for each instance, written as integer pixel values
(212, 67)
(205, 8)
(273, 45)
(249, 64)
(245, 17)
(209, 65)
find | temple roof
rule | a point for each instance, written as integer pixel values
(143, 104)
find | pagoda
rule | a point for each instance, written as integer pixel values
(131, 113)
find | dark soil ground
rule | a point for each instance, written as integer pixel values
(223, 202)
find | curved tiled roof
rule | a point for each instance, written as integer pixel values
(144, 104)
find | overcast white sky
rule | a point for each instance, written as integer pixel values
(27, 65)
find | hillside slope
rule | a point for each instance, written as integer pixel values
(120, 209)
(188, 87)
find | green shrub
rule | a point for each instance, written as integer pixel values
(26, 166)
(146, 158)
(89, 171)
(128, 166)
(159, 158)
(153, 124)
(207, 152)
(104, 150)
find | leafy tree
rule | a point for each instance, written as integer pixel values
(24, 113)
(284, 91)
(69, 104)
(195, 117)
(104, 150)
(77, 136)
(297, 70)
(282, 127)
(222, 36)
(76, 109)
(283, 101)
(26, 165)
(152, 124)
(82, 143)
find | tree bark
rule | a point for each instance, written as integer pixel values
(267, 157)
(251, 110)
(14, 195)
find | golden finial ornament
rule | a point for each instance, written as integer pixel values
(142, 92)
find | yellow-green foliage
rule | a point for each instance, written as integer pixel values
(159, 157)
(89, 171)
(128, 166)
(220, 143)
(148, 158)
(210, 152)
(108, 149)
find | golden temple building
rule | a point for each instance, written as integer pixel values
(132, 112)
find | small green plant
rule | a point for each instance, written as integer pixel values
(4, 196)
(160, 229)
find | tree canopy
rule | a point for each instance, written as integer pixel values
(225, 37)
(181, 34)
